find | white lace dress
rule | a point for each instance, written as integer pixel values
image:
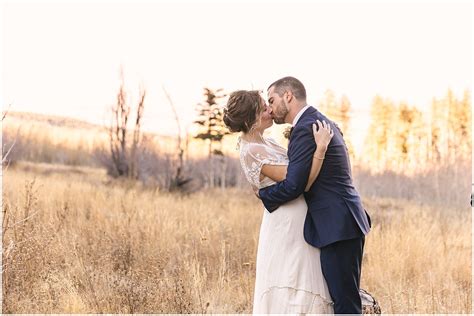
(288, 277)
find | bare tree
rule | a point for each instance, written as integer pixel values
(179, 181)
(124, 156)
(5, 160)
(137, 135)
(6, 112)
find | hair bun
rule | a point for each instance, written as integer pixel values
(243, 108)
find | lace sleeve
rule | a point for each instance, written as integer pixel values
(276, 145)
(254, 156)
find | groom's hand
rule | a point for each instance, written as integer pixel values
(255, 190)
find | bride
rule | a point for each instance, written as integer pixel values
(289, 278)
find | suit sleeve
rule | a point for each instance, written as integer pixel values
(300, 153)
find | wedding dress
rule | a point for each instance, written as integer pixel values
(289, 278)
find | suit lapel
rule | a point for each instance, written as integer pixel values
(310, 110)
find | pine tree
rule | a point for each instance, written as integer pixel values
(213, 129)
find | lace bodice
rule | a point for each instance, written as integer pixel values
(254, 155)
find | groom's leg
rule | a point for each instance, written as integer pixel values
(341, 264)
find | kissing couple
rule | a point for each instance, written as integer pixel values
(313, 229)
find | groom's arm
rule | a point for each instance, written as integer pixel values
(300, 153)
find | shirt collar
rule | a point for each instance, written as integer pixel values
(297, 117)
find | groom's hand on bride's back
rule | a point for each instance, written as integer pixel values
(255, 190)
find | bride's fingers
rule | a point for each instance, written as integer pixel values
(320, 125)
(327, 127)
(330, 130)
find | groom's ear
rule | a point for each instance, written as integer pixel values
(290, 96)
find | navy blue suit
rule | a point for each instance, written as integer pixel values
(336, 221)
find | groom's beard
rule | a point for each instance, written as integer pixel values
(280, 114)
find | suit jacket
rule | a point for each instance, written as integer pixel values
(335, 210)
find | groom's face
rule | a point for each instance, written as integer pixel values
(278, 105)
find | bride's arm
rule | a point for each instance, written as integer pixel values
(322, 138)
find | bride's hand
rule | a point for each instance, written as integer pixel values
(323, 135)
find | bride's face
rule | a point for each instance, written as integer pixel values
(265, 119)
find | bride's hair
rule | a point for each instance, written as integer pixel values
(242, 110)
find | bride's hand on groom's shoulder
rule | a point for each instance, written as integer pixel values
(323, 134)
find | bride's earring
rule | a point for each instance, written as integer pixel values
(251, 129)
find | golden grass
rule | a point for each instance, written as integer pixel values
(76, 242)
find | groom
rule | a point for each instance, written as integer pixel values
(335, 222)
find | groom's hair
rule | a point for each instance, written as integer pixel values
(289, 83)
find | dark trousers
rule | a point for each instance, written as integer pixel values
(341, 264)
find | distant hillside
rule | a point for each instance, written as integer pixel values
(69, 123)
(52, 120)
(75, 133)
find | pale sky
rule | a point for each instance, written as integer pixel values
(64, 59)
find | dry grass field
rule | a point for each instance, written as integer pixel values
(77, 242)
(70, 141)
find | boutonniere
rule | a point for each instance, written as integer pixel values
(287, 132)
